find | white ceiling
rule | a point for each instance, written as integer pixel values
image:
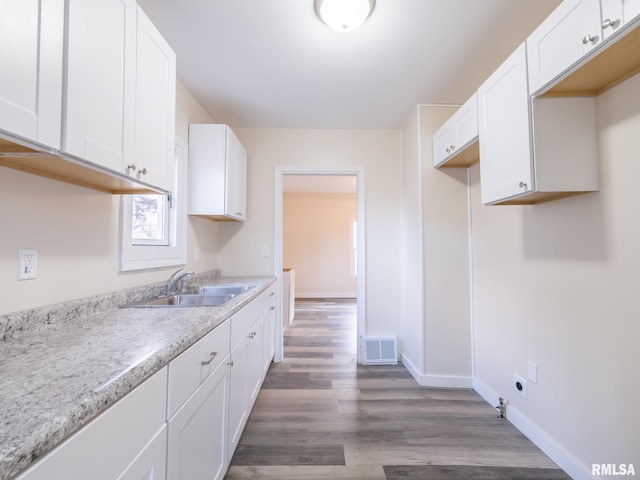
(272, 63)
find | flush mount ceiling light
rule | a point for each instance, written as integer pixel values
(344, 15)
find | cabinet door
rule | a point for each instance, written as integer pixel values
(443, 141)
(31, 52)
(155, 105)
(612, 17)
(630, 10)
(197, 432)
(505, 140)
(269, 335)
(151, 464)
(110, 445)
(571, 31)
(239, 393)
(466, 123)
(256, 359)
(100, 101)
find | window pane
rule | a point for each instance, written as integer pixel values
(149, 221)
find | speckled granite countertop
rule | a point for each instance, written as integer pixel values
(60, 370)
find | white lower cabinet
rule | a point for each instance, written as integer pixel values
(127, 440)
(239, 392)
(151, 463)
(184, 422)
(197, 432)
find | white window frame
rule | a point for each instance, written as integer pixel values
(141, 257)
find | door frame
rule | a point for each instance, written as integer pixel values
(358, 172)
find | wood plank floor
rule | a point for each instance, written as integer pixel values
(321, 416)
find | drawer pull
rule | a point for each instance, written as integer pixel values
(272, 308)
(211, 357)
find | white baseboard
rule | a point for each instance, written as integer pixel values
(575, 468)
(436, 380)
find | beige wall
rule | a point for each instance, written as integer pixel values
(76, 233)
(557, 284)
(317, 242)
(378, 152)
(435, 262)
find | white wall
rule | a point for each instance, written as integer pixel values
(379, 153)
(557, 284)
(75, 230)
(317, 243)
(411, 342)
(435, 261)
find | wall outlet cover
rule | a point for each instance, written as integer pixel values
(520, 385)
(27, 263)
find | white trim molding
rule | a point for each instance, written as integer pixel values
(358, 172)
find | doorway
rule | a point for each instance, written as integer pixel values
(325, 180)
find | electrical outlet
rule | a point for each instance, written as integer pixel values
(27, 264)
(520, 385)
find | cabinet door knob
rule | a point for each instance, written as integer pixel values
(608, 23)
(212, 355)
(230, 363)
(132, 167)
(589, 39)
(523, 185)
(143, 171)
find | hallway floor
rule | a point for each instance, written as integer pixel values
(321, 416)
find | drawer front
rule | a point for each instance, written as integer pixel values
(195, 364)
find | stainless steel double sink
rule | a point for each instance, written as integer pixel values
(199, 296)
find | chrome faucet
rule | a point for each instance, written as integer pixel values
(175, 280)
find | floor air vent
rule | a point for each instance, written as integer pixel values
(380, 351)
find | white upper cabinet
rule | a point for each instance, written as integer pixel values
(616, 14)
(120, 91)
(571, 31)
(155, 105)
(31, 52)
(533, 150)
(452, 141)
(505, 144)
(217, 173)
(101, 76)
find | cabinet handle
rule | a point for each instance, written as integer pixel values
(143, 171)
(212, 355)
(609, 23)
(589, 39)
(239, 214)
(272, 308)
(523, 185)
(230, 363)
(453, 147)
(132, 167)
